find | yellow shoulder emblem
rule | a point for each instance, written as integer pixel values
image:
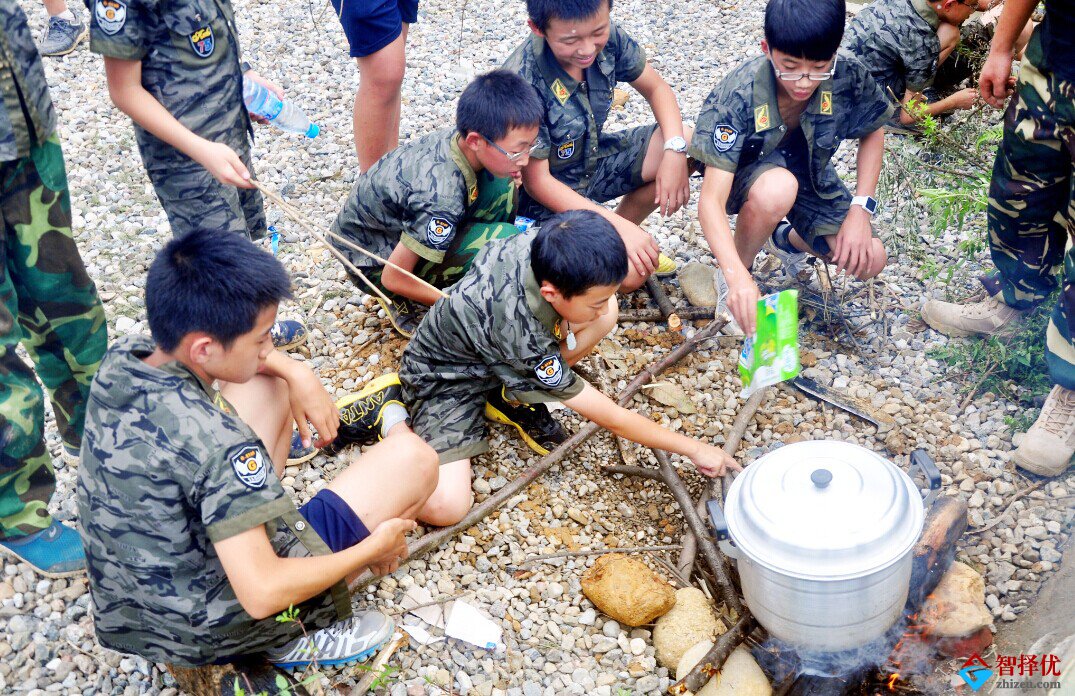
(473, 193)
(560, 92)
(761, 117)
(826, 103)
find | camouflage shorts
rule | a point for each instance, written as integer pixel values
(452, 424)
(617, 173)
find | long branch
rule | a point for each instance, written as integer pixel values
(713, 661)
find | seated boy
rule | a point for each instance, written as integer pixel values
(904, 42)
(191, 542)
(766, 135)
(429, 205)
(574, 58)
(529, 308)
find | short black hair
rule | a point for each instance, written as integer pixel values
(577, 250)
(213, 281)
(810, 29)
(494, 103)
(541, 11)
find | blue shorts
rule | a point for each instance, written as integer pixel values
(370, 25)
(334, 520)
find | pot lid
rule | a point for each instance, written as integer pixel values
(824, 510)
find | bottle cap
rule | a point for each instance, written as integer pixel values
(313, 131)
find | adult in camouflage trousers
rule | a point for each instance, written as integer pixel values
(47, 303)
(430, 205)
(1032, 218)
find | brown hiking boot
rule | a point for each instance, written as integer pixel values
(1047, 446)
(986, 318)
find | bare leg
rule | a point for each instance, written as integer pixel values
(55, 7)
(768, 202)
(377, 107)
(587, 336)
(453, 498)
(263, 404)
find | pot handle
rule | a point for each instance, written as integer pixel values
(923, 461)
(720, 529)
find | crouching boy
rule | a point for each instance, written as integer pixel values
(766, 135)
(504, 342)
(191, 542)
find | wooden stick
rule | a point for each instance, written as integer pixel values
(626, 453)
(596, 552)
(713, 661)
(497, 500)
(688, 313)
(996, 520)
(640, 471)
(653, 286)
(373, 670)
(946, 520)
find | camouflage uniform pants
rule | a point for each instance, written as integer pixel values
(50, 305)
(1032, 207)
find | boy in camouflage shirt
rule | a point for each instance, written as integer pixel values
(766, 135)
(192, 543)
(904, 42)
(430, 205)
(530, 307)
(574, 58)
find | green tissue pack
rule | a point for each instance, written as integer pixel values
(772, 355)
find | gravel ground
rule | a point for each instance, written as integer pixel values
(555, 642)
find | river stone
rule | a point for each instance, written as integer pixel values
(696, 281)
(625, 589)
(740, 676)
(690, 622)
(957, 606)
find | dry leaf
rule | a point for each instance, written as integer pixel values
(672, 395)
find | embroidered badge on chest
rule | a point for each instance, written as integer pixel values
(724, 137)
(438, 230)
(203, 42)
(565, 150)
(550, 371)
(826, 103)
(111, 15)
(249, 466)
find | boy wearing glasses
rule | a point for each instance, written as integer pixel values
(431, 204)
(766, 135)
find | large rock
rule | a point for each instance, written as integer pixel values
(690, 622)
(957, 606)
(740, 676)
(696, 282)
(627, 590)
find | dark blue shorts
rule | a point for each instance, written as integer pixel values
(334, 520)
(370, 25)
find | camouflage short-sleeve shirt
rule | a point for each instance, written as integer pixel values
(896, 40)
(740, 122)
(417, 194)
(494, 328)
(572, 136)
(189, 52)
(22, 86)
(167, 470)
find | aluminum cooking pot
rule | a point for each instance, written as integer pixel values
(824, 533)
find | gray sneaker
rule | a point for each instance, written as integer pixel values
(353, 640)
(63, 36)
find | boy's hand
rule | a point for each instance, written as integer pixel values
(854, 243)
(222, 162)
(642, 249)
(673, 187)
(743, 296)
(963, 99)
(269, 85)
(995, 82)
(712, 461)
(311, 404)
(389, 545)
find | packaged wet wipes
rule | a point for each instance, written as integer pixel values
(772, 355)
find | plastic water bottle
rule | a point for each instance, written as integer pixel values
(282, 114)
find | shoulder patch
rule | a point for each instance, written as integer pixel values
(724, 137)
(550, 371)
(565, 150)
(826, 103)
(559, 91)
(249, 466)
(761, 117)
(438, 231)
(203, 42)
(111, 15)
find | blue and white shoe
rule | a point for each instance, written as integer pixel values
(793, 260)
(299, 453)
(353, 640)
(288, 333)
(63, 35)
(70, 455)
(55, 552)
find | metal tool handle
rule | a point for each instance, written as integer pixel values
(929, 469)
(720, 529)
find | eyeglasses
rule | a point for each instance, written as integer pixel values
(795, 77)
(512, 156)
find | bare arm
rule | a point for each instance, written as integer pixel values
(868, 170)
(127, 93)
(401, 283)
(672, 190)
(854, 250)
(310, 402)
(994, 82)
(743, 292)
(266, 584)
(960, 99)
